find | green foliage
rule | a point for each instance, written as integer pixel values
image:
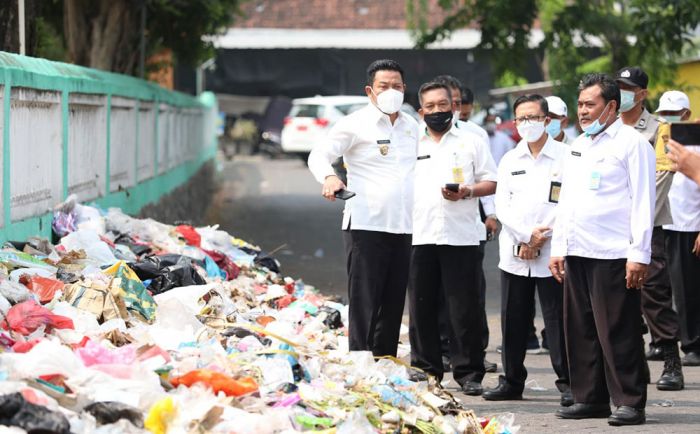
(49, 41)
(579, 35)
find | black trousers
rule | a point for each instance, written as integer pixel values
(606, 355)
(443, 323)
(684, 269)
(517, 301)
(657, 298)
(451, 270)
(377, 264)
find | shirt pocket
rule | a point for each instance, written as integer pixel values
(612, 171)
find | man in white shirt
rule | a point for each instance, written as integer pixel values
(378, 144)
(683, 238)
(558, 113)
(529, 182)
(453, 168)
(603, 234)
(487, 225)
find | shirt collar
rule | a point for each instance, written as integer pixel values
(612, 130)
(454, 130)
(523, 150)
(377, 115)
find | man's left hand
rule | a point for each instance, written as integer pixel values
(491, 226)
(458, 195)
(635, 275)
(696, 247)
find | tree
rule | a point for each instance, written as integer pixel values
(579, 35)
(105, 34)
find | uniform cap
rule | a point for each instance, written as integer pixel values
(556, 105)
(672, 101)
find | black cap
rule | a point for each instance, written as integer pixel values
(633, 76)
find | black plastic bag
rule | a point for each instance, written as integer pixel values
(110, 412)
(333, 319)
(15, 411)
(167, 271)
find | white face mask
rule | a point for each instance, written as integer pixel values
(531, 131)
(389, 101)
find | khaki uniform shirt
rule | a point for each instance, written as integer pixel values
(648, 126)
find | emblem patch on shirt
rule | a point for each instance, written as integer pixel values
(554, 190)
(383, 146)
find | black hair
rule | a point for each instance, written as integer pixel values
(533, 97)
(432, 85)
(467, 96)
(609, 89)
(382, 65)
(449, 81)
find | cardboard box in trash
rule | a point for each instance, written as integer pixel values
(96, 297)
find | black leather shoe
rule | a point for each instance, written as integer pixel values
(489, 366)
(655, 353)
(691, 359)
(584, 411)
(672, 375)
(417, 376)
(627, 416)
(503, 392)
(567, 399)
(472, 388)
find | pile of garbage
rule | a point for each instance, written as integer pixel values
(131, 326)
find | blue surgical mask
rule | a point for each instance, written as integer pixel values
(670, 118)
(627, 102)
(554, 127)
(596, 126)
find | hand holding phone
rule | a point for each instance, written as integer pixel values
(452, 187)
(344, 194)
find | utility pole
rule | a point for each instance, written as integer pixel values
(22, 41)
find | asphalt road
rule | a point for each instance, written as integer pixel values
(277, 205)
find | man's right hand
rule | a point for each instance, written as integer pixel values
(556, 266)
(539, 236)
(330, 186)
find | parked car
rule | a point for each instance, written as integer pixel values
(310, 119)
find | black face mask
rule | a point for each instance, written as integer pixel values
(439, 121)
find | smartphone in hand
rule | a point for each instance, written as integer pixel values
(344, 194)
(452, 187)
(686, 133)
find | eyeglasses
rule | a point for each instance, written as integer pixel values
(530, 119)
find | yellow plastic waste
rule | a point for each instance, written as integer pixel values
(160, 415)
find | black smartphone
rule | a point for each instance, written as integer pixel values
(686, 134)
(344, 194)
(452, 187)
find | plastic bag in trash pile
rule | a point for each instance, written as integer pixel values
(170, 329)
(15, 411)
(166, 272)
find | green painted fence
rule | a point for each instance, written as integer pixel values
(111, 139)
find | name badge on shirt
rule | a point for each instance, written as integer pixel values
(554, 190)
(575, 154)
(383, 146)
(595, 180)
(518, 172)
(423, 157)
